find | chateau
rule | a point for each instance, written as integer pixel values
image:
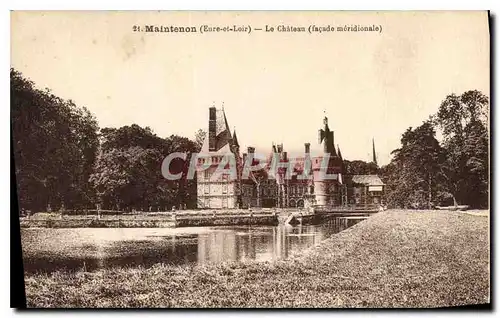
(283, 181)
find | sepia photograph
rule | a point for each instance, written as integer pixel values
(252, 159)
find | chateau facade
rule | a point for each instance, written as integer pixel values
(283, 181)
(221, 191)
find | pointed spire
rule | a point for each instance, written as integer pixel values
(225, 120)
(332, 143)
(342, 166)
(235, 138)
(374, 160)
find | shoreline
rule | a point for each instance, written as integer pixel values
(171, 220)
(158, 222)
(394, 258)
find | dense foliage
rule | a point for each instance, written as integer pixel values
(414, 175)
(63, 160)
(55, 148)
(128, 174)
(425, 172)
(359, 167)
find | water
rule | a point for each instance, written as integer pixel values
(47, 249)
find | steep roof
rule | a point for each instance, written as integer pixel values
(235, 139)
(223, 138)
(326, 138)
(367, 179)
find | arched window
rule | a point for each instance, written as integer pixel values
(311, 189)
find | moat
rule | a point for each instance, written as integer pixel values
(49, 249)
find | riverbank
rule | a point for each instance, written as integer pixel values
(393, 259)
(227, 217)
(152, 220)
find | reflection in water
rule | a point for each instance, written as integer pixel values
(90, 248)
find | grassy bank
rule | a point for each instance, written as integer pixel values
(393, 259)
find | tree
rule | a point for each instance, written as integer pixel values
(200, 136)
(360, 167)
(187, 188)
(55, 147)
(464, 122)
(130, 178)
(128, 173)
(131, 136)
(415, 173)
(258, 177)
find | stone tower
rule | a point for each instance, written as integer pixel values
(217, 191)
(326, 190)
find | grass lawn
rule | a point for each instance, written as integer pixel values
(393, 259)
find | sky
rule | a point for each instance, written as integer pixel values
(275, 86)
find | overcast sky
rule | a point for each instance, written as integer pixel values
(275, 86)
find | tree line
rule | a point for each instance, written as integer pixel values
(63, 159)
(425, 172)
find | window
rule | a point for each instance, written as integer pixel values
(224, 188)
(224, 202)
(207, 175)
(311, 189)
(207, 188)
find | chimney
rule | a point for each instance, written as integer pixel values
(211, 129)
(307, 147)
